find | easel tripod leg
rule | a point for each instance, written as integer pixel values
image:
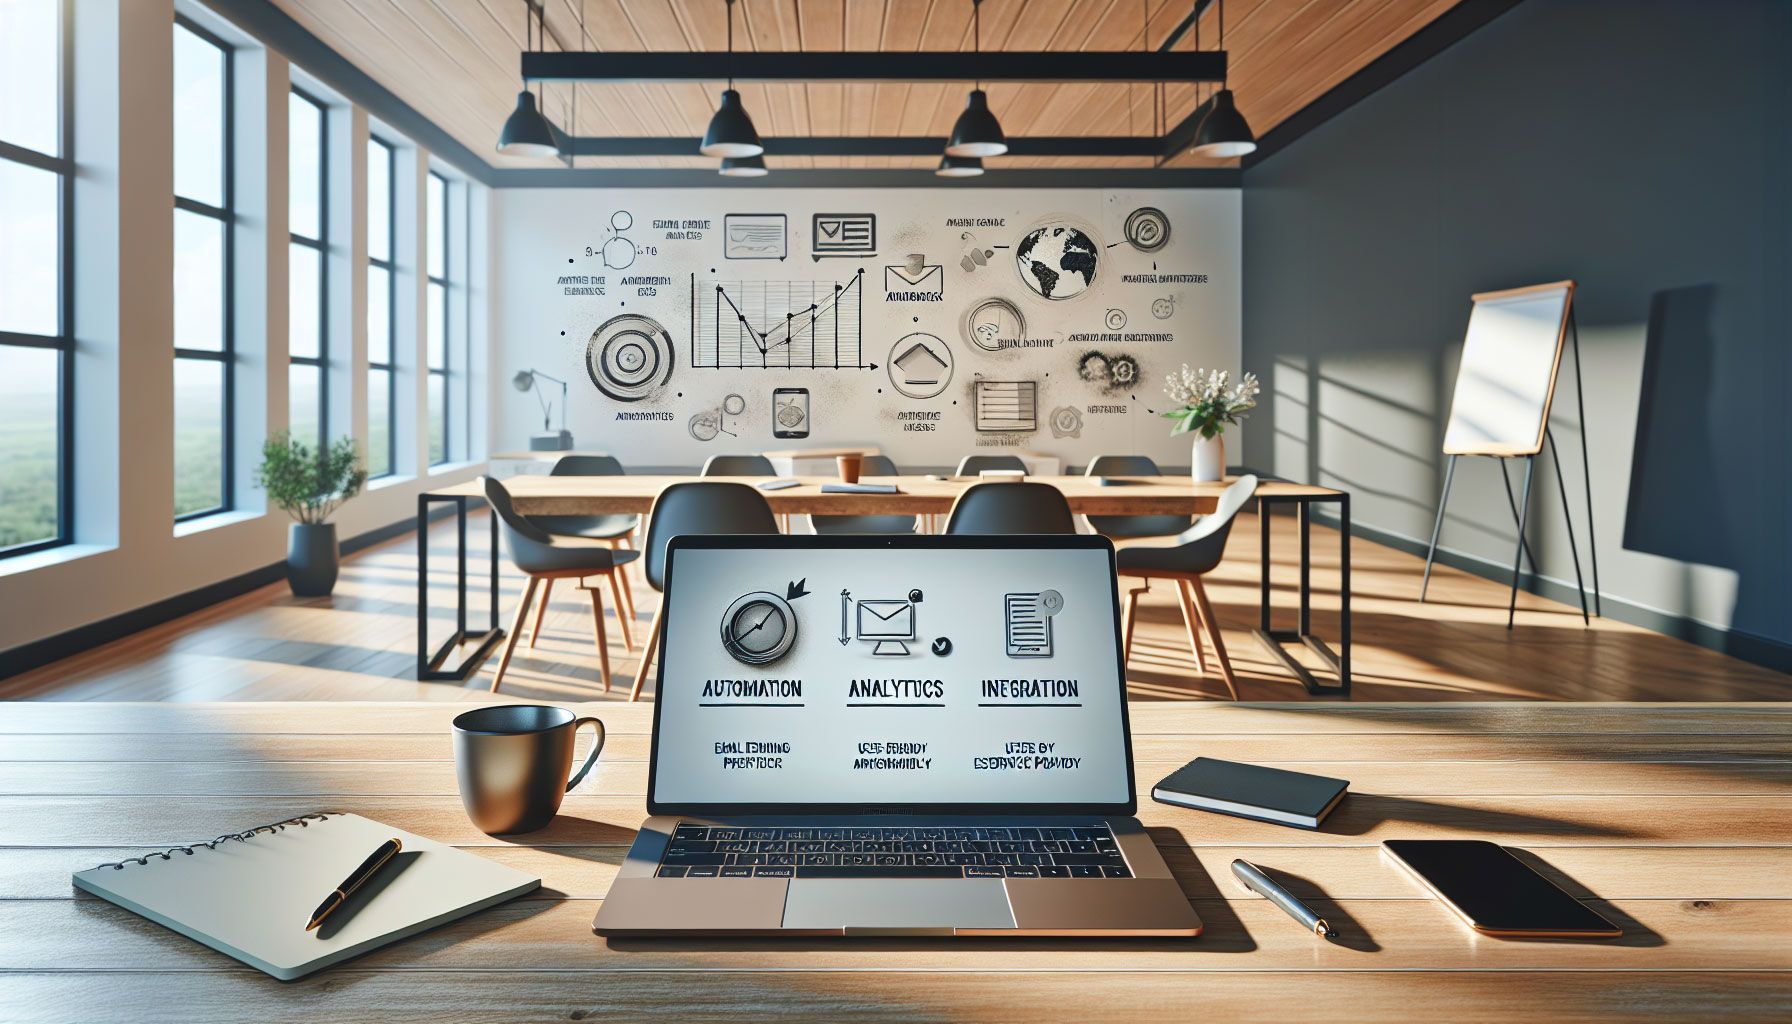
(1568, 517)
(1524, 511)
(1430, 552)
(1528, 555)
(1586, 466)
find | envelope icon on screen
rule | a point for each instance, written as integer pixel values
(892, 619)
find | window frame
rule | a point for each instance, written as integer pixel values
(63, 166)
(390, 265)
(226, 216)
(446, 280)
(321, 246)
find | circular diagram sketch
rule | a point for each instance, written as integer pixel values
(995, 324)
(629, 356)
(1057, 261)
(920, 365)
(706, 425)
(619, 251)
(1147, 229)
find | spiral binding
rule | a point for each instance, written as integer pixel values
(303, 821)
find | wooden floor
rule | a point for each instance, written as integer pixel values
(360, 644)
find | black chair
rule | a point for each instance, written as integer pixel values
(973, 465)
(543, 556)
(697, 507)
(875, 465)
(615, 529)
(1197, 551)
(738, 465)
(1121, 527)
(1006, 508)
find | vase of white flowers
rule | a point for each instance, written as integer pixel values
(1208, 401)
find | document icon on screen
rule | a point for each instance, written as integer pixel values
(1027, 620)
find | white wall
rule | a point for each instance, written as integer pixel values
(674, 252)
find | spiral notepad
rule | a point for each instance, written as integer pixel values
(249, 894)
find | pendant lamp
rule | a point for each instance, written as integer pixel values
(744, 167)
(959, 167)
(977, 132)
(1224, 131)
(526, 132)
(731, 132)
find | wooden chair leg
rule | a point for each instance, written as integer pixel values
(627, 600)
(628, 633)
(516, 630)
(603, 643)
(541, 610)
(1213, 630)
(1192, 619)
(1128, 619)
(653, 642)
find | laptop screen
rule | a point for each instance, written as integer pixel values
(890, 673)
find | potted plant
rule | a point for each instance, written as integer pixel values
(309, 486)
(1209, 400)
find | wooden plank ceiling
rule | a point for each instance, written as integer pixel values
(456, 62)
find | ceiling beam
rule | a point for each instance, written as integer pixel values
(869, 145)
(878, 66)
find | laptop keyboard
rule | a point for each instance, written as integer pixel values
(920, 851)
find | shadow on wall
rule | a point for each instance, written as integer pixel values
(1689, 472)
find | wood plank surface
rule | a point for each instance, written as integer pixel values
(1674, 820)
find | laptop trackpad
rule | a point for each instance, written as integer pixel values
(889, 903)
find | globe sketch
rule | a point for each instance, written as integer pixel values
(1057, 261)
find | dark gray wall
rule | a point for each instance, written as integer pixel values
(1641, 148)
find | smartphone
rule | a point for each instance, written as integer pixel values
(1494, 892)
(790, 412)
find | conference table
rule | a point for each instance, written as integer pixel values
(925, 496)
(1675, 821)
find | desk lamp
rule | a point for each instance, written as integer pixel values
(548, 440)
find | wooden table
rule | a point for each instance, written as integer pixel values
(1123, 496)
(1678, 818)
(1131, 496)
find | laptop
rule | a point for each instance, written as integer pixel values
(869, 735)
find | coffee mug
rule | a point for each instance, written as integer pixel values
(849, 467)
(512, 762)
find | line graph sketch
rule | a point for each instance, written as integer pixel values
(778, 324)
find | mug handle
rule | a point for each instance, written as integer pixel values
(591, 758)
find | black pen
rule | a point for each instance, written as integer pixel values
(372, 864)
(1255, 880)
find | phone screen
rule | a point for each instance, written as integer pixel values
(790, 412)
(1495, 891)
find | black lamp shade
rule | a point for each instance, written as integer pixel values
(526, 132)
(744, 167)
(977, 132)
(1223, 132)
(959, 167)
(731, 131)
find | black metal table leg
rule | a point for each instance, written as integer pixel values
(1273, 640)
(430, 665)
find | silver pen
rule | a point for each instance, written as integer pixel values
(1261, 884)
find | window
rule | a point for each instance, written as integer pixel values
(382, 391)
(36, 305)
(204, 216)
(436, 227)
(308, 218)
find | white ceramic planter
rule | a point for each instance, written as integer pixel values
(1208, 461)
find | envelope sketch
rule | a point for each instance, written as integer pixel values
(928, 278)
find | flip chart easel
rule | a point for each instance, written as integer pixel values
(1505, 386)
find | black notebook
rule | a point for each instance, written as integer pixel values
(1252, 791)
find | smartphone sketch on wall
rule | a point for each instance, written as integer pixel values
(790, 412)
